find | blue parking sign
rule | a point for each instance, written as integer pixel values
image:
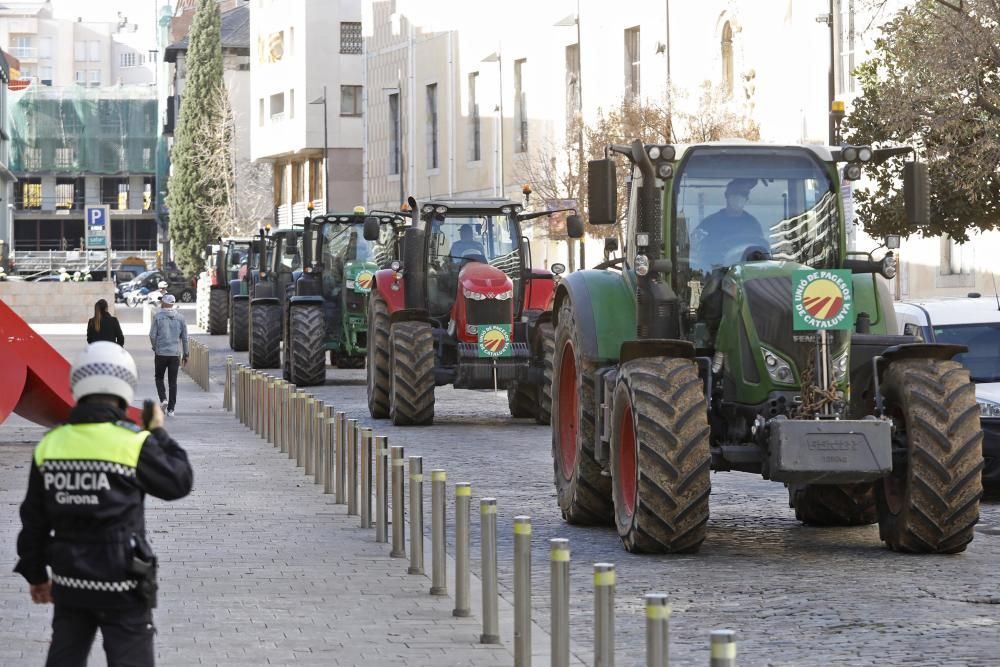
(98, 219)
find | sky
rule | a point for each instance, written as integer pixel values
(143, 12)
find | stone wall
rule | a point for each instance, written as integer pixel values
(55, 302)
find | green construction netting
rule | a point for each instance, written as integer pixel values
(78, 129)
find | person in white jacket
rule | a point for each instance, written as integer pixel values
(168, 336)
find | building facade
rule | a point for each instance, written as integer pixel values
(306, 60)
(7, 178)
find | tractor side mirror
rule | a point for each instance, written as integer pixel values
(371, 229)
(892, 241)
(916, 193)
(602, 192)
(574, 226)
(557, 269)
(610, 245)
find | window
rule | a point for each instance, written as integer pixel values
(350, 38)
(520, 108)
(845, 78)
(350, 100)
(81, 77)
(147, 158)
(31, 193)
(959, 258)
(65, 157)
(95, 77)
(432, 126)
(64, 194)
(94, 51)
(129, 59)
(280, 185)
(79, 50)
(275, 47)
(727, 58)
(22, 47)
(291, 41)
(632, 62)
(260, 111)
(298, 181)
(475, 137)
(277, 106)
(291, 103)
(572, 81)
(45, 47)
(394, 139)
(45, 74)
(316, 179)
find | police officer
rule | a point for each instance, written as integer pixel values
(83, 514)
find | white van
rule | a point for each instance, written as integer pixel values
(973, 321)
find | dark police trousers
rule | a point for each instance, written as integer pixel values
(127, 632)
(169, 365)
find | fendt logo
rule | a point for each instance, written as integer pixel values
(494, 340)
(822, 299)
(363, 283)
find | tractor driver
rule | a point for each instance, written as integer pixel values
(727, 230)
(466, 246)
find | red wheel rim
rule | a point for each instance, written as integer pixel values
(628, 462)
(567, 410)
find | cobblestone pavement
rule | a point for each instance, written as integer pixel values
(257, 565)
(795, 595)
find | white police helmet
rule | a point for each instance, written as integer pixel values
(104, 368)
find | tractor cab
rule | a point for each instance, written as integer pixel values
(284, 258)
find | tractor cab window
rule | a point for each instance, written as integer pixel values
(289, 259)
(736, 205)
(342, 243)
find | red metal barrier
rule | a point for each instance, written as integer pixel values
(34, 378)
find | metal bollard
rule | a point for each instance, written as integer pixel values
(238, 398)
(340, 478)
(328, 440)
(317, 442)
(227, 390)
(439, 566)
(559, 630)
(282, 407)
(657, 630)
(522, 591)
(381, 488)
(286, 400)
(463, 544)
(352, 467)
(272, 410)
(398, 537)
(248, 412)
(366, 477)
(416, 515)
(294, 414)
(488, 550)
(258, 408)
(604, 614)
(307, 449)
(723, 647)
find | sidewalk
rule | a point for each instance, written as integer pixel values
(258, 566)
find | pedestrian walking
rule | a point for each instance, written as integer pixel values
(169, 338)
(104, 326)
(83, 515)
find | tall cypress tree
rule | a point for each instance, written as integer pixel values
(195, 187)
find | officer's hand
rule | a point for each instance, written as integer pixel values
(41, 593)
(156, 421)
(184, 361)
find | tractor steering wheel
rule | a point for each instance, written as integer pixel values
(610, 263)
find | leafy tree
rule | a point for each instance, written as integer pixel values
(197, 188)
(933, 82)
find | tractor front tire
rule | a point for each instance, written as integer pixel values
(265, 336)
(930, 504)
(584, 493)
(833, 504)
(411, 385)
(217, 302)
(307, 335)
(521, 399)
(660, 456)
(239, 324)
(377, 374)
(543, 411)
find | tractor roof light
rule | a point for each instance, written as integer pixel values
(665, 171)
(441, 209)
(654, 152)
(865, 154)
(849, 153)
(505, 209)
(888, 269)
(852, 172)
(428, 208)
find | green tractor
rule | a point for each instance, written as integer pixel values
(326, 306)
(277, 264)
(740, 334)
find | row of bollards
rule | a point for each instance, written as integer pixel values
(357, 467)
(197, 364)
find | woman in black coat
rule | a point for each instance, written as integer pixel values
(103, 326)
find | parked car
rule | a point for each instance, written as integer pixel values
(973, 321)
(178, 285)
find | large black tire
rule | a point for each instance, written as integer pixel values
(218, 300)
(239, 325)
(265, 336)
(584, 493)
(286, 361)
(543, 411)
(521, 399)
(411, 384)
(378, 357)
(931, 503)
(307, 336)
(660, 456)
(833, 504)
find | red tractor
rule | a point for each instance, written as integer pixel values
(463, 307)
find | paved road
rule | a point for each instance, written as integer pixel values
(795, 595)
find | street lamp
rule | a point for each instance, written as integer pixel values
(326, 153)
(495, 58)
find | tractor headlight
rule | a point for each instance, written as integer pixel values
(888, 269)
(654, 152)
(428, 208)
(503, 296)
(850, 153)
(641, 265)
(665, 171)
(475, 296)
(777, 368)
(852, 172)
(865, 154)
(396, 265)
(840, 367)
(988, 408)
(472, 329)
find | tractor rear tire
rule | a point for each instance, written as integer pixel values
(931, 503)
(521, 399)
(217, 302)
(377, 374)
(584, 493)
(265, 336)
(660, 456)
(411, 386)
(833, 504)
(543, 412)
(307, 337)
(239, 325)
(286, 361)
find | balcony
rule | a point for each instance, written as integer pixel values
(24, 52)
(75, 205)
